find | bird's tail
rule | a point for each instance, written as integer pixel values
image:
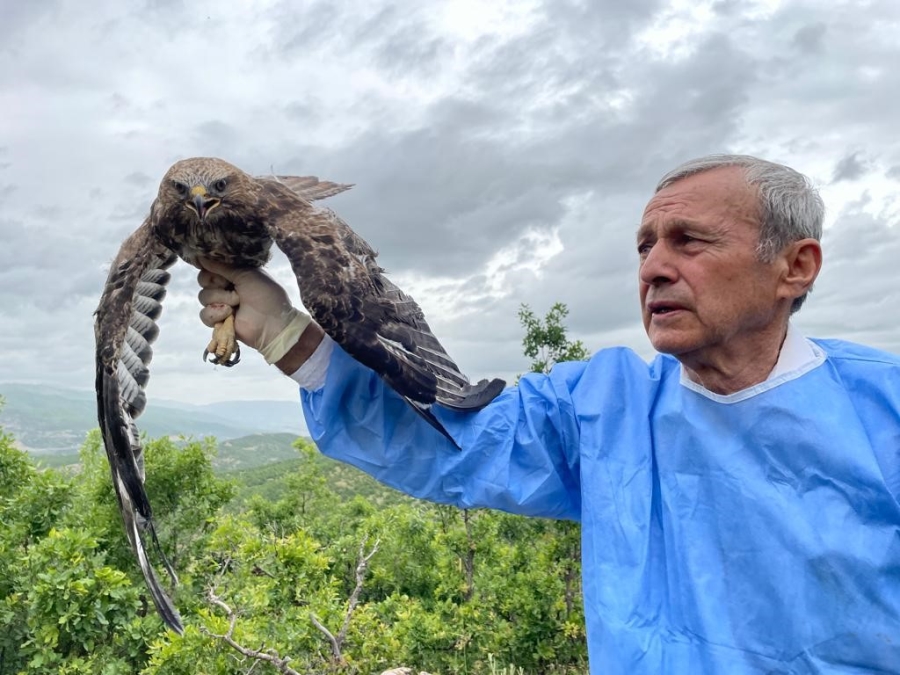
(133, 528)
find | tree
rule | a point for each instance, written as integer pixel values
(63, 607)
(547, 344)
(181, 485)
(545, 340)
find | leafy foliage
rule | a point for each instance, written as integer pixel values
(546, 342)
(448, 591)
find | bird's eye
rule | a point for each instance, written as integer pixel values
(220, 185)
(180, 188)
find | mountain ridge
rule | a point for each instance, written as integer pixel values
(55, 420)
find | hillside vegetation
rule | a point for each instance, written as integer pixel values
(444, 591)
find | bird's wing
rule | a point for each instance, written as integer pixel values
(309, 188)
(377, 323)
(125, 327)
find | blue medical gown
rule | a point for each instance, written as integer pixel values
(751, 536)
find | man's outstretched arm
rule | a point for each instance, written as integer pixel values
(519, 454)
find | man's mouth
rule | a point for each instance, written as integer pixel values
(661, 308)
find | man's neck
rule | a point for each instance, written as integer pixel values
(730, 373)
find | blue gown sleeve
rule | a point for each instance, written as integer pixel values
(519, 454)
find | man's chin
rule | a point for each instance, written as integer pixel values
(666, 343)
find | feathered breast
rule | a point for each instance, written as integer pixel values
(242, 242)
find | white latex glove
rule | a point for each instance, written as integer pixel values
(263, 315)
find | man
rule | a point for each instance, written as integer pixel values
(739, 496)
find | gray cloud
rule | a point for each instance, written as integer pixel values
(306, 28)
(850, 167)
(477, 148)
(18, 17)
(811, 37)
(139, 178)
(856, 297)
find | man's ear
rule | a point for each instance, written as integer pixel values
(803, 260)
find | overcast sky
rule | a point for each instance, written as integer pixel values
(502, 153)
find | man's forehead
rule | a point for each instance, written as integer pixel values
(721, 183)
(653, 226)
(717, 194)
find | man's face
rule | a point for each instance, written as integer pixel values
(704, 294)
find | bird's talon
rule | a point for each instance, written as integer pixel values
(223, 349)
(232, 360)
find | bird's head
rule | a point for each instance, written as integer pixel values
(205, 188)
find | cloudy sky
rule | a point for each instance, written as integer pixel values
(502, 153)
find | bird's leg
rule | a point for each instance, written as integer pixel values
(223, 347)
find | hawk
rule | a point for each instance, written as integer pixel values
(208, 208)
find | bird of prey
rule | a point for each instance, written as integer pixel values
(208, 208)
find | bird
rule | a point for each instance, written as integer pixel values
(208, 208)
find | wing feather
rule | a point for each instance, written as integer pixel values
(147, 306)
(125, 328)
(348, 294)
(139, 344)
(309, 188)
(144, 325)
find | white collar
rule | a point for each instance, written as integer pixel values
(797, 357)
(796, 352)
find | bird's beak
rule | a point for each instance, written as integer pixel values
(201, 202)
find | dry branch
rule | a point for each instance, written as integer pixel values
(362, 564)
(269, 656)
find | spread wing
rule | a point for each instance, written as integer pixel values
(348, 294)
(309, 188)
(125, 327)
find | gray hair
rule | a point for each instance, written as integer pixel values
(790, 206)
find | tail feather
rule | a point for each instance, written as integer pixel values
(163, 602)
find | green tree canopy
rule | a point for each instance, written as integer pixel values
(546, 342)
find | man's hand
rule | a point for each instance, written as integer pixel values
(263, 315)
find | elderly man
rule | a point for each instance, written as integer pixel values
(739, 496)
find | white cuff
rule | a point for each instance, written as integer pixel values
(287, 338)
(311, 375)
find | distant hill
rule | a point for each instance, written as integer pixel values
(258, 450)
(234, 456)
(255, 438)
(50, 421)
(270, 481)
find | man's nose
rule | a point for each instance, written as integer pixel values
(657, 266)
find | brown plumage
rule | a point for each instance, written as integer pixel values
(208, 208)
